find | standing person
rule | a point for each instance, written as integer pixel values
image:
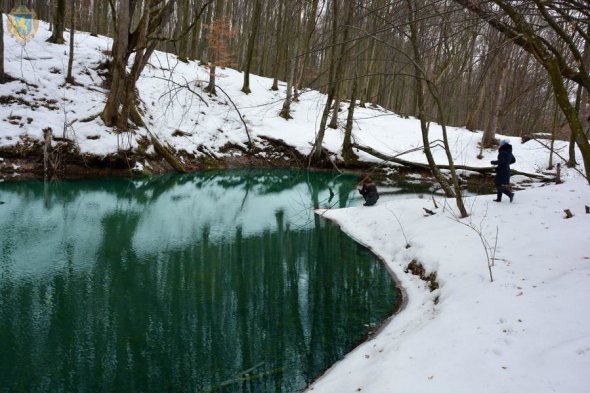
(369, 192)
(502, 179)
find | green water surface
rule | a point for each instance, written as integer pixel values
(221, 281)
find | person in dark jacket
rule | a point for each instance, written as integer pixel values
(369, 192)
(502, 179)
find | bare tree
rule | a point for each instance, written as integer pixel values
(489, 135)
(217, 35)
(343, 60)
(306, 42)
(196, 33)
(316, 152)
(121, 102)
(538, 28)
(69, 77)
(293, 18)
(419, 83)
(347, 153)
(279, 50)
(336, 70)
(251, 44)
(183, 21)
(59, 16)
(421, 79)
(96, 8)
(2, 75)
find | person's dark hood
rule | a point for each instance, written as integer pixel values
(506, 147)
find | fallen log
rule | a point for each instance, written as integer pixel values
(482, 170)
(162, 150)
(166, 154)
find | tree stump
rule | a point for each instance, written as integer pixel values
(47, 164)
(558, 175)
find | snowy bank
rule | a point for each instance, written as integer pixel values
(39, 99)
(527, 331)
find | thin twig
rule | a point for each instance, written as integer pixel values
(239, 115)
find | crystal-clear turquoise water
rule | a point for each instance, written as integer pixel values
(221, 281)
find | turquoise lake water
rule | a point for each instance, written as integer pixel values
(220, 281)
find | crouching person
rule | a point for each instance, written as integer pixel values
(369, 192)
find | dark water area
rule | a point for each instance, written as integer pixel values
(219, 281)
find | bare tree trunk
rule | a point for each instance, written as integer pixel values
(95, 17)
(183, 45)
(367, 79)
(202, 54)
(419, 91)
(476, 108)
(553, 132)
(572, 116)
(196, 36)
(489, 134)
(291, 60)
(336, 109)
(263, 60)
(59, 16)
(2, 75)
(47, 164)
(69, 77)
(128, 105)
(584, 106)
(310, 27)
(369, 64)
(110, 113)
(585, 112)
(251, 44)
(571, 162)
(347, 152)
(316, 152)
(213, 55)
(279, 48)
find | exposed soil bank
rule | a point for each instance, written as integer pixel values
(26, 161)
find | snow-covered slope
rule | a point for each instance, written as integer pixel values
(39, 99)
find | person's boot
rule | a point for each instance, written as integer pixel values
(498, 197)
(511, 196)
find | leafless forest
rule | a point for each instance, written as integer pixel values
(514, 67)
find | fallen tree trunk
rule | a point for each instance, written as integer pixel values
(166, 154)
(411, 164)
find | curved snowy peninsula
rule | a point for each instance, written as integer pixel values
(523, 332)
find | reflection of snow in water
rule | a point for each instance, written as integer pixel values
(39, 228)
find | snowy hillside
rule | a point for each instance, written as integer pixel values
(39, 99)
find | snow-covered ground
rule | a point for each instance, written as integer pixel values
(527, 331)
(39, 99)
